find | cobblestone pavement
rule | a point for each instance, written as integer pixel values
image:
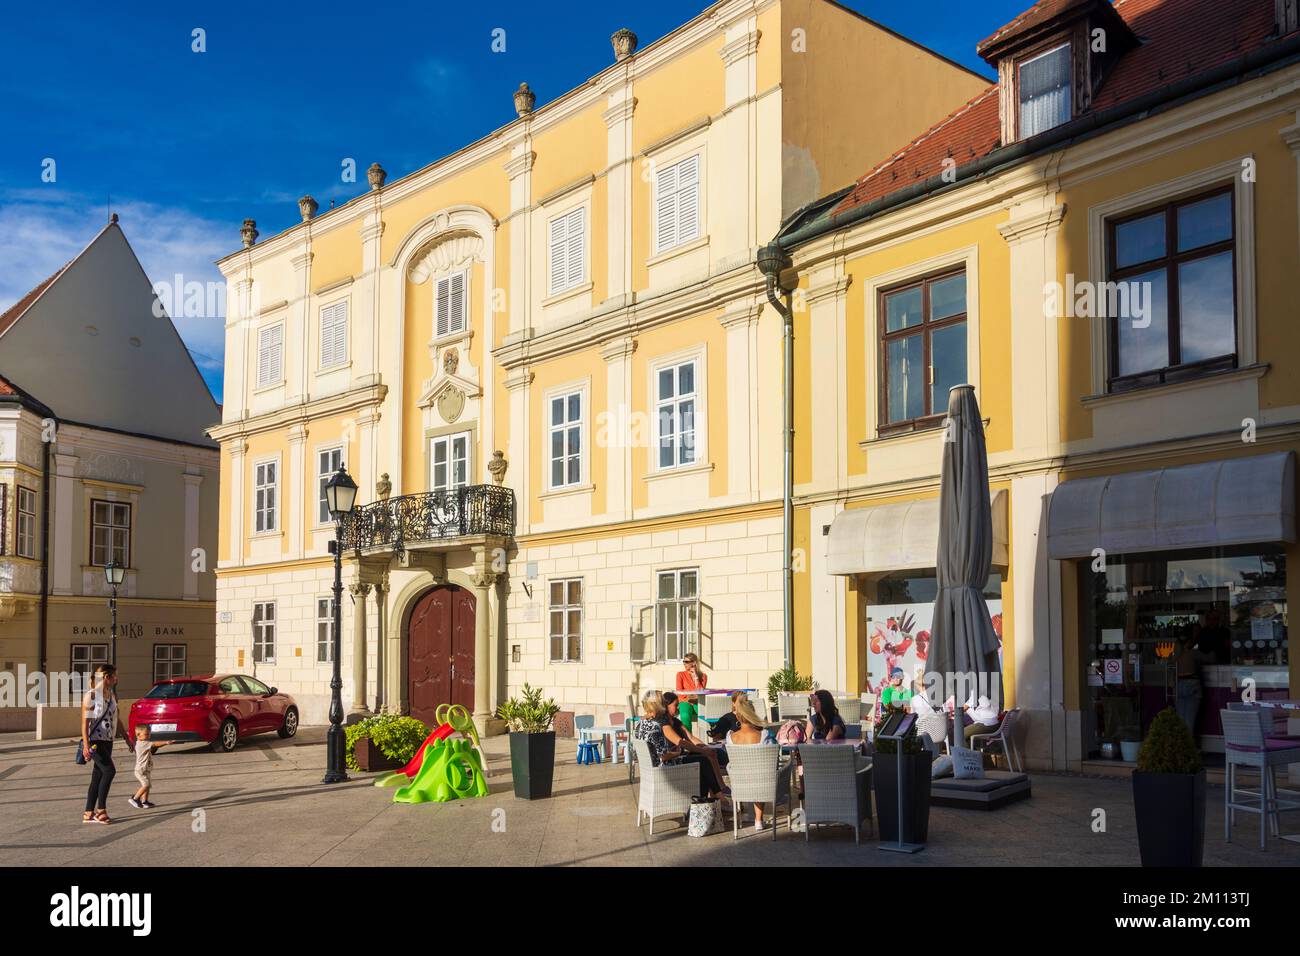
(264, 805)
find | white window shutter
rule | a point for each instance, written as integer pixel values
(688, 199)
(559, 253)
(666, 208)
(270, 350)
(576, 240)
(457, 306)
(443, 307)
(334, 334)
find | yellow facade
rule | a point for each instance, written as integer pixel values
(723, 92)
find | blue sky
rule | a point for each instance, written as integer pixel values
(189, 144)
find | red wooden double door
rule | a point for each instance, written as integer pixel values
(440, 652)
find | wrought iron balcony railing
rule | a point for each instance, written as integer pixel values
(431, 516)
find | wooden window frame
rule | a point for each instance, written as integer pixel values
(20, 514)
(274, 510)
(260, 628)
(567, 636)
(1171, 260)
(90, 661)
(130, 523)
(930, 418)
(327, 642)
(172, 648)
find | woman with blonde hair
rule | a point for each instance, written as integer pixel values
(670, 747)
(752, 732)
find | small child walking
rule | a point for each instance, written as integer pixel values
(144, 751)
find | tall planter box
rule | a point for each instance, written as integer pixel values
(371, 759)
(532, 764)
(915, 791)
(1170, 809)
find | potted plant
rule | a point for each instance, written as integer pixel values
(786, 681)
(383, 742)
(532, 742)
(1169, 795)
(914, 765)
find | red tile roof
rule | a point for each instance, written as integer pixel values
(6, 388)
(15, 311)
(1040, 13)
(1181, 38)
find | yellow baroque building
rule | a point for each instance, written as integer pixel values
(547, 361)
(1102, 243)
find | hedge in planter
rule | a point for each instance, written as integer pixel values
(1169, 795)
(532, 742)
(396, 737)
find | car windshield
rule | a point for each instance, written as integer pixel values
(173, 689)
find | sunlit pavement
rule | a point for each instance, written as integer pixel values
(264, 805)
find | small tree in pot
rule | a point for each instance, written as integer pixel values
(1169, 795)
(532, 742)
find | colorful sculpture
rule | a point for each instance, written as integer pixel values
(442, 769)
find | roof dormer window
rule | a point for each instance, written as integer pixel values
(1044, 87)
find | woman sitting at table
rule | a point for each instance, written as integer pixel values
(751, 732)
(728, 722)
(679, 736)
(825, 722)
(655, 729)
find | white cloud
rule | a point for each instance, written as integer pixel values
(41, 233)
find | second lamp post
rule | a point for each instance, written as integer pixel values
(340, 497)
(113, 575)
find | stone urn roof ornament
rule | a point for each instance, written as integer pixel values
(524, 100)
(307, 206)
(376, 175)
(624, 42)
(248, 232)
(497, 466)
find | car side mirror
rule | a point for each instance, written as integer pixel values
(273, 690)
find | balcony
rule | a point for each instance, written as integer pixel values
(431, 516)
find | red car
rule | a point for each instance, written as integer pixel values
(214, 710)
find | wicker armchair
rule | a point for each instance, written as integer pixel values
(792, 705)
(836, 787)
(758, 775)
(664, 789)
(935, 727)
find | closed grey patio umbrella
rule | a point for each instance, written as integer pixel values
(962, 636)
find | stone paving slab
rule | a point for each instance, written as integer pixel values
(264, 805)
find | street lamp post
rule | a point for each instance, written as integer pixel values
(113, 575)
(340, 497)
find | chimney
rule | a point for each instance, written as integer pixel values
(1287, 16)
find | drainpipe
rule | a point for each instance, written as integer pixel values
(772, 262)
(43, 652)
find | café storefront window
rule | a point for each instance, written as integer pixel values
(1219, 614)
(900, 620)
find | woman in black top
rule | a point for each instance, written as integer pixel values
(710, 759)
(825, 722)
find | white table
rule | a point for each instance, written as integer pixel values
(611, 731)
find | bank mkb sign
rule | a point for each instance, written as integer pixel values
(129, 629)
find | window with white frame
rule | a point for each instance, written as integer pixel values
(568, 247)
(449, 461)
(110, 533)
(270, 355)
(677, 604)
(566, 439)
(677, 203)
(26, 530)
(86, 657)
(169, 660)
(1044, 87)
(265, 496)
(264, 632)
(451, 305)
(325, 630)
(565, 626)
(329, 461)
(334, 334)
(676, 407)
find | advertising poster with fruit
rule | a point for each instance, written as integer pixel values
(898, 635)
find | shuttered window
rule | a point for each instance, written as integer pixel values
(677, 204)
(334, 334)
(567, 241)
(270, 355)
(451, 307)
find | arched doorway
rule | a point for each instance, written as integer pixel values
(440, 651)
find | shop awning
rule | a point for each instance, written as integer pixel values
(899, 537)
(1216, 503)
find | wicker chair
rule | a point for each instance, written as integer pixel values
(934, 726)
(790, 705)
(1004, 737)
(1246, 744)
(716, 706)
(850, 709)
(836, 787)
(664, 789)
(758, 775)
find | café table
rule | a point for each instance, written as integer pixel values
(610, 731)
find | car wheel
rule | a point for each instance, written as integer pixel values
(290, 725)
(227, 736)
